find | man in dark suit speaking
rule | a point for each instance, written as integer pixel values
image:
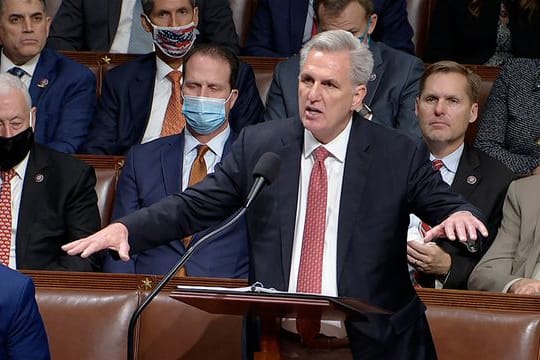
(334, 221)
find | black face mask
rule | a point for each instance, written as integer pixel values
(14, 149)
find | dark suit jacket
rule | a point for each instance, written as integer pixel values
(124, 107)
(455, 34)
(151, 172)
(374, 215)
(392, 89)
(90, 25)
(58, 205)
(64, 93)
(483, 181)
(22, 334)
(278, 27)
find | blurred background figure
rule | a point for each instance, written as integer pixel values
(22, 334)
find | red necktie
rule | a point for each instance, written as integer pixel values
(437, 164)
(311, 259)
(174, 121)
(5, 215)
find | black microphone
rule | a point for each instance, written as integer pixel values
(265, 171)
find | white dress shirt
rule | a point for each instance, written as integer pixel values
(160, 100)
(448, 173)
(211, 158)
(29, 67)
(335, 165)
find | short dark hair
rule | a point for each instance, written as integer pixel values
(213, 50)
(2, 2)
(335, 7)
(148, 5)
(447, 67)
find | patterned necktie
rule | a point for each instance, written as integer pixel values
(5, 215)
(311, 259)
(174, 120)
(17, 71)
(140, 42)
(437, 164)
(197, 173)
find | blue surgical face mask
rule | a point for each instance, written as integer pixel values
(363, 36)
(203, 114)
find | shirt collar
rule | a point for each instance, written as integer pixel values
(337, 147)
(163, 69)
(216, 144)
(451, 161)
(29, 66)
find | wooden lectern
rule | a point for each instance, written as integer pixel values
(271, 307)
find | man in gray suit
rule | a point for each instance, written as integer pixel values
(392, 88)
(512, 263)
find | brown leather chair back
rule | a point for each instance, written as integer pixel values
(419, 15)
(242, 12)
(107, 170)
(204, 336)
(86, 324)
(484, 334)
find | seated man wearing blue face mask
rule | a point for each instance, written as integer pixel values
(141, 100)
(170, 164)
(392, 87)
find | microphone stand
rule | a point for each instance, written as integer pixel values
(170, 274)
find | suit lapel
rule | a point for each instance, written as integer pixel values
(42, 78)
(375, 78)
(142, 88)
(33, 191)
(297, 21)
(113, 13)
(468, 175)
(357, 163)
(172, 158)
(287, 189)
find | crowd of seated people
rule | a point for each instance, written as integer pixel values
(177, 107)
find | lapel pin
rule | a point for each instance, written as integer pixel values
(39, 178)
(373, 77)
(43, 83)
(471, 180)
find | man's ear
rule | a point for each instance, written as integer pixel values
(234, 97)
(474, 113)
(145, 23)
(196, 16)
(416, 105)
(372, 23)
(358, 96)
(33, 113)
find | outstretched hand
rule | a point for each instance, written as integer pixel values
(461, 225)
(113, 237)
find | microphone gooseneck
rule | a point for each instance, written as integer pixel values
(264, 172)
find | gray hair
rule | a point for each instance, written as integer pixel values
(2, 3)
(341, 40)
(9, 83)
(148, 5)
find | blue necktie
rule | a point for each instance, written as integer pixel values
(17, 71)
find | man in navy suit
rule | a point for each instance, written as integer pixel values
(104, 25)
(368, 180)
(280, 27)
(391, 89)
(62, 90)
(132, 105)
(447, 104)
(22, 334)
(162, 167)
